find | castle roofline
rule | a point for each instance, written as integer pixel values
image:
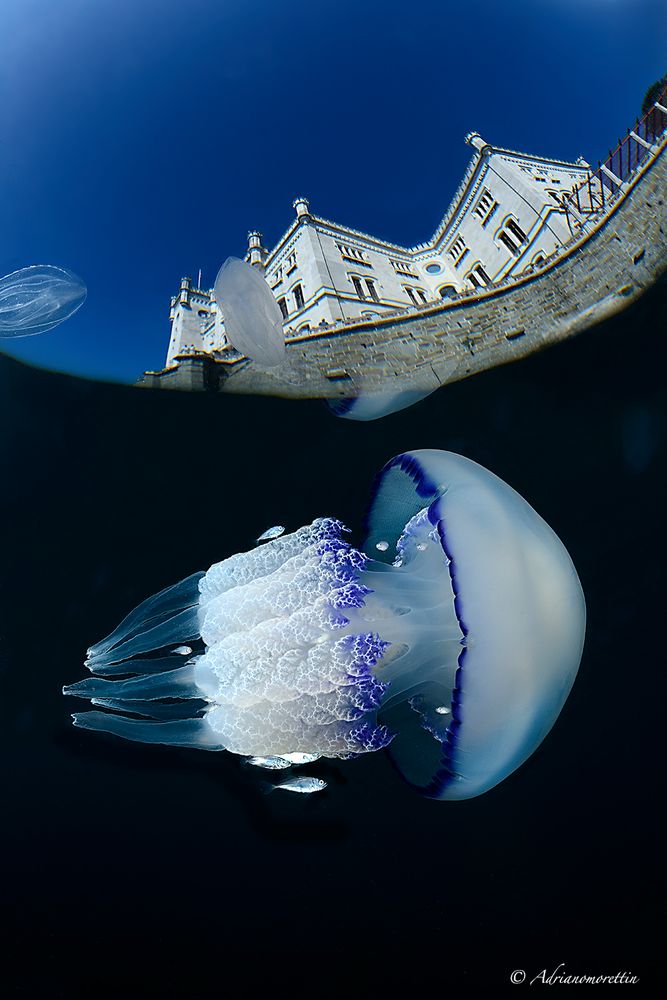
(482, 151)
(534, 157)
(337, 227)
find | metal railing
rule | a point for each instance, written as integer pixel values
(602, 185)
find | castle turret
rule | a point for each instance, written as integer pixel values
(302, 207)
(475, 139)
(186, 287)
(256, 251)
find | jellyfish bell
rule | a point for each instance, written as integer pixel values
(38, 298)
(520, 612)
(253, 321)
(452, 640)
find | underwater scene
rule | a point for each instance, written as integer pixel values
(327, 606)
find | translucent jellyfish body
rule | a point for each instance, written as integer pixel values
(253, 321)
(35, 299)
(453, 640)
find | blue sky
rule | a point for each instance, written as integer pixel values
(141, 139)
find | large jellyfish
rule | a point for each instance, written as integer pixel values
(453, 640)
(253, 321)
(37, 298)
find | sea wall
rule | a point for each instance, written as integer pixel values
(610, 262)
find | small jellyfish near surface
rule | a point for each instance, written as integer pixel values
(270, 533)
(454, 647)
(38, 298)
(253, 321)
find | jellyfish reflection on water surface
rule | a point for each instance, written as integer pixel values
(453, 640)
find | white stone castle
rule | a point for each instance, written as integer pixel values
(508, 214)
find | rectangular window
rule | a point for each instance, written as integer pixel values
(421, 294)
(458, 250)
(372, 290)
(298, 296)
(352, 253)
(402, 267)
(283, 307)
(291, 262)
(485, 206)
(473, 280)
(411, 295)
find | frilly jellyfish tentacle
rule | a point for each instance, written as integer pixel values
(455, 648)
(281, 667)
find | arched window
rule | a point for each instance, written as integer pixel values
(512, 236)
(516, 230)
(480, 273)
(447, 292)
(358, 286)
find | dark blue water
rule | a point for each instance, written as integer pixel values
(154, 871)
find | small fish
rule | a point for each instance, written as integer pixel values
(300, 758)
(270, 533)
(303, 785)
(270, 763)
(182, 650)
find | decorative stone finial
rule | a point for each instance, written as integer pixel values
(582, 162)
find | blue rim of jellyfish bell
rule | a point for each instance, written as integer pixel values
(425, 488)
(519, 606)
(446, 773)
(426, 491)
